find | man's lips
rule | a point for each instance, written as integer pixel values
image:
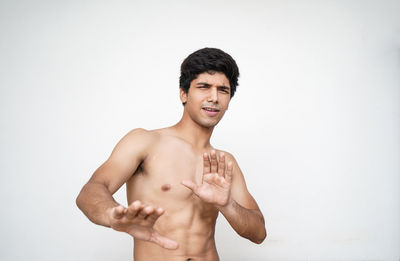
(211, 111)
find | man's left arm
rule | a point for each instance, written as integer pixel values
(224, 186)
(242, 211)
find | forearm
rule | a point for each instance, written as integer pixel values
(95, 200)
(247, 223)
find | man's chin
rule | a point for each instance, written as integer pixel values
(209, 124)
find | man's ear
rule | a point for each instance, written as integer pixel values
(182, 95)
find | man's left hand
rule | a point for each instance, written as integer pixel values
(215, 187)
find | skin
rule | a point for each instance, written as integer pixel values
(177, 183)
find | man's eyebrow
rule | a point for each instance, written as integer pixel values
(220, 86)
(203, 83)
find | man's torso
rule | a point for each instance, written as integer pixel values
(187, 219)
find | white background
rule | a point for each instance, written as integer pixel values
(314, 125)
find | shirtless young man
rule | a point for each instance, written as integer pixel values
(176, 182)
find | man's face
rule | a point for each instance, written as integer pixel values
(207, 98)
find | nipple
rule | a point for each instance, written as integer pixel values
(165, 187)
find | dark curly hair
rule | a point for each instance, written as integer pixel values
(208, 60)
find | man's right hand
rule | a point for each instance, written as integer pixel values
(138, 220)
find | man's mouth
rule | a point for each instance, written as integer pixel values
(211, 111)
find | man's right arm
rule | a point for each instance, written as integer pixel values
(96, 201)
(95, 198)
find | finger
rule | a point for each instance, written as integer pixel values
(156, 214)
(229, 172)
(221, 164)
(133, 209)
(142, 213)
(214, 162)
(148, 211)
(189, 184)
(206, 163)
(118, 212)
(163, 241)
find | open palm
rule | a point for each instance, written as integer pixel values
(138, 221)
(216, 180)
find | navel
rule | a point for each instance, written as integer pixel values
(165, 187)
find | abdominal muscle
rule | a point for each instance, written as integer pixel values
(196, 241)
(189, 222)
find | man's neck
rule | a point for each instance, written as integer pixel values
(193, 133)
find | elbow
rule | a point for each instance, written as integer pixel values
(81, 200)
(257, 237)
(260, 238)
(78, 201)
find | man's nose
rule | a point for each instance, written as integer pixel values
(213, 95)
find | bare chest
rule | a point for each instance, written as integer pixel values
(158, 180)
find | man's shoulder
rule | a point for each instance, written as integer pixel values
(141, 135)
(141, 131)
(145, 135)
(227, 154)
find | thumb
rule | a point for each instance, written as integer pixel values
(189, 184)
(163, 241)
